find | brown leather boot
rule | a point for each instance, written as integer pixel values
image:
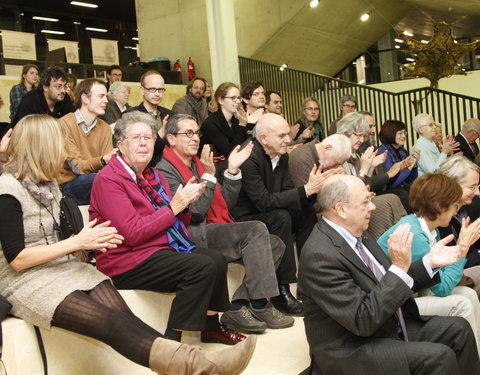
(169, 357)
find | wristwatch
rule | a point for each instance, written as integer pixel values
(102, 160)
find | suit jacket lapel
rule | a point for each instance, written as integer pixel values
(346, 250)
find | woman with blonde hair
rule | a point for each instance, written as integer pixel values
(28, 80)
(49, 287)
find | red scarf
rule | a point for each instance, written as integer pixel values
(218, 211)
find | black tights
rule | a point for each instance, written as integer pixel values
(102, 313)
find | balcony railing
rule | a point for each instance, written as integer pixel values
(448, 109)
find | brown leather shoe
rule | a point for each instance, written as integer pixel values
(223, 335)
(169, 357)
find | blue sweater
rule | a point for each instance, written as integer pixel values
(430, 158)
(449, 275)
(404, 178)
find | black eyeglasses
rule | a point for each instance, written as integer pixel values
(190, 133)
(153, 90)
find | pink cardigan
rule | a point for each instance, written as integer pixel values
(116, 197)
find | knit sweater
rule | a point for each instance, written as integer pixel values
(84, 151)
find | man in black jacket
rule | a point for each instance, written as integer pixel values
(49, 99)
(268, 195)
(468, 138)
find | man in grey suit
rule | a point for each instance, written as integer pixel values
(359, 314)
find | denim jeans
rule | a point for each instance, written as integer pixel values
(80, 188)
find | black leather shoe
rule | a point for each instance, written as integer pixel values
(286, 302)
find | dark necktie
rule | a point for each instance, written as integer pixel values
(474, 148)
(379, 275)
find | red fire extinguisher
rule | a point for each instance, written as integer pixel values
(178, 68)
(191, 69)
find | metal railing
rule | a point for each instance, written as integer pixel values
(448, 109)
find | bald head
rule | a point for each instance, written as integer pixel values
(268, 122)
(272, 132)
(346, 201)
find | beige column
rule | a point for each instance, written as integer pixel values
(223, 41)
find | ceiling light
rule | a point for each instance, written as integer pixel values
(95, 29)
(397, 47)
(364, 17)
(77, 23)
(284, 66)
(45, 19)
(410, 59)
(82, 4)
(455, 42)
(398, 40)
(407, 33)
(424, 41)
(135, 38)
(313, 3)
(53, 32)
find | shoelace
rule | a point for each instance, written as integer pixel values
(246, 313)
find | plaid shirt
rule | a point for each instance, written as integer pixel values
(16, 95)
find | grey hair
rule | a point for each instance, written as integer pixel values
(366, 113)
(347, 98)
(310, 99)
(128, 119)
(172, 124)
(420, 120)
(471, 124)
(340, 144)
(332, 193)
(354, 122)
(457, 167)
(114, 88)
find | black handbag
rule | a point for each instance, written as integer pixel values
(71, 223)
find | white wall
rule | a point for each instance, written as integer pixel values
(465, 85)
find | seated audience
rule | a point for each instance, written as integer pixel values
(268, 195)
(89, 141)
(393, 136)
(118, 95)
(328, 155)
(49, 287)
(152, 88)
(71, 86)
(114, 74)
(370, 139)
(193, 103)
(370, 166)
(158, 253)
(467, 138)
(209, 97)
(253, 103)
(28, 81)
(212, 226)
(359, 314)
(430, 157)
(273, 102)
(308, 127)
(348, 104)
(223, 130)
(434, 199)
(50, 98)
(467, 175)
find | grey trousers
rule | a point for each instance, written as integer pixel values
(250, 244)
